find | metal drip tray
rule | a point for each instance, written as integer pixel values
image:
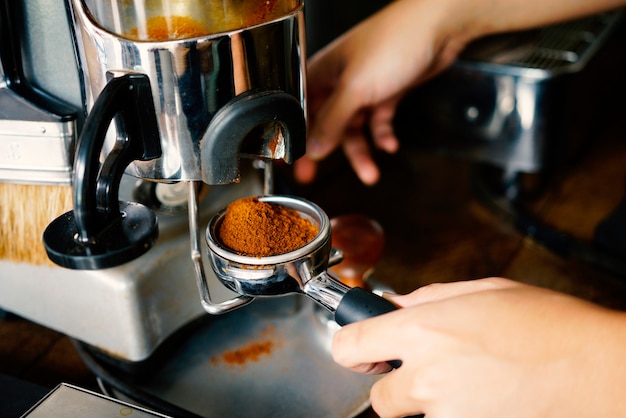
(268, 359)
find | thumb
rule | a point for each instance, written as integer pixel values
(330, 123)
(439, 291)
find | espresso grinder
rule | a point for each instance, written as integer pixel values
(185, 106)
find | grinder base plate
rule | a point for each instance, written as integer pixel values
(268, 359)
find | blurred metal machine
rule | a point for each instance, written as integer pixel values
(508, 101)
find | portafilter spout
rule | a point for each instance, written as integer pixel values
(304, 270)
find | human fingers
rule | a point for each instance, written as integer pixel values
(324, 67)
(304, 170)
(323, 70)
(360, 345)
(391, 397)
(330, 123)
(372, 368)
(439, 291)
(325, 97)
(381, 126)
(357, 151)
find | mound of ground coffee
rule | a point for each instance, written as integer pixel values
(260, 229)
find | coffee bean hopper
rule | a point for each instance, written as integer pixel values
(177, 104)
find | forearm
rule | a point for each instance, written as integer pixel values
(447, 26)
(604, 366)
(484, 17)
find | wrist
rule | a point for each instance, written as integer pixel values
(486, 17)
(596, 378)
(607, 365)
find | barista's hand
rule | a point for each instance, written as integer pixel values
(358, 80)
(491, 348)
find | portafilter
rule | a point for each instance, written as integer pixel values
(304, 270)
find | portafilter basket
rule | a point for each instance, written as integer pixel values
(304, 270)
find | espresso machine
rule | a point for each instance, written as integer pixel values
(175, 109)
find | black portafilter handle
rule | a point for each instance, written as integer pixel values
(101, 231)
(359, 304)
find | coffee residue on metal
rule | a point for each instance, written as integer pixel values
(252, 352)
(216, 17)
(161, 28)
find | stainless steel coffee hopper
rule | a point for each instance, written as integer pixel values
(304, 270)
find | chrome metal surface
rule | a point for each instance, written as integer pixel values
(192, 79)
(326, 290)
(70, 400)
(35, 145)
(268, 177)
(216, 372)
(49, 57)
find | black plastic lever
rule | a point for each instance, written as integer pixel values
(101, 231)
(230, 125)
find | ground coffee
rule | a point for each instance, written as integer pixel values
(259, 229)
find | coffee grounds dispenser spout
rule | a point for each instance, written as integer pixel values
(221, 144)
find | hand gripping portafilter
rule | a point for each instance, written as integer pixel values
(304, 270)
